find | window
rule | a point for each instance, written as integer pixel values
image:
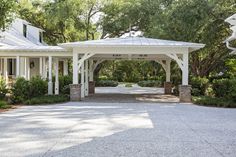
(24, 30)
(40, 37)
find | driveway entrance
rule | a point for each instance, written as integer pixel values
(134, 94)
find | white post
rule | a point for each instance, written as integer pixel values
(168, 70)
(185, 69)
(82, 80)
(17, 66)
(75, 67)
(50, 92)
(5, 70)
(86, 78)
(27, 68)
(41, 67)
(56, 76)
(91, 70)
(65, 67)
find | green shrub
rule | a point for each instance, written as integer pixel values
(106, 83)
(3, 88)
(38, 87)
(199, 85)
(214, 102)
(149, 83)
(4, 105)
(225, 88)
(20, 90)
(64, 82)
(23, 89)
(128, 85)
(47, 99)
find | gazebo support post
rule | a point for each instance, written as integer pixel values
(185, 89)
(17, 66)
(82, 80)
(86, 85)
(50, 91)
(167, 84)
(65, 67)
(91, 81)
(75, 88)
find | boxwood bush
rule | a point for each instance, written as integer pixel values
(150, 83)
(199, 85)
(3, 88)
(106, 83)
(64, 82)
(225, 88)
(47, 99)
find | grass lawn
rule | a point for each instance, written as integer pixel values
(214, 102)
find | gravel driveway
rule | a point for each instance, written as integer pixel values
(118, 130)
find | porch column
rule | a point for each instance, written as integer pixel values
(17, 66)
(65, 67)
(41, 67)
(50, 91)
(82, 80)
(185, 89)
(86, 78)
(27, 68)
(5, 71)
(44, 68)
(167, 84)
(56, 76)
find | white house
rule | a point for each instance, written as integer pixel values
(23, 53)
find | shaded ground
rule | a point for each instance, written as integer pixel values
(133, 94)
(118, 130)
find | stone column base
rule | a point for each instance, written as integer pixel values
(185, 93)
(75, 92)
(91, 87)
(168, 87)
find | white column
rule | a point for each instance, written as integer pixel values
(86, 79)
(5, 71)
(185, 69)
(17, 66)
(44, 68)
(27, 68)
(82, 81)
(41, 67)
(75, 67)
(50, 91)
(56, 76)
(168, 70)
(91, 70)
(65, 67)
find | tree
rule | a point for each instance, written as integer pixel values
(7, 8)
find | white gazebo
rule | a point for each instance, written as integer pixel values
(88, 54)
(232, 21)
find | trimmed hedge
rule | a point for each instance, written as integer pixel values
(199, 85)
(106, 83)
(225, 88)
(48, 99)
(64, 82)
(3, 88)
(214, 102)
(150, 83)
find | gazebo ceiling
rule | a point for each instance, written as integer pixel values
(133, 42)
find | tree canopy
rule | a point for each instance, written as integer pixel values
(186, 20)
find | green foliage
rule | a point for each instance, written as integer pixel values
(4, 105)
(214, 102)
(23, 89)
(7, 8)
(199, 85)
(106, 83)
(64, 82)
(225, 88)
(129, 85)
(150, 83)
(3, 88)
(49, 99)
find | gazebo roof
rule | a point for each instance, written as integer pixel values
(133, 42)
